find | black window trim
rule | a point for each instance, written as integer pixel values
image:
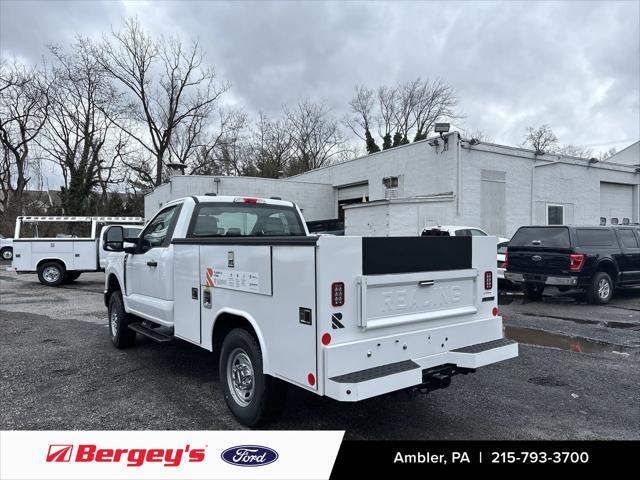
(167, 240)
(201, 205)
(634, 233)
(614, 237)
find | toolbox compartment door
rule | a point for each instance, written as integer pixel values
(397, 299)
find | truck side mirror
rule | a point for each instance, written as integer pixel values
(114, 239)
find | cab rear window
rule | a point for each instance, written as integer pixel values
(245, 220)
(553, 237)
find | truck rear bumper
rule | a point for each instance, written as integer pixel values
(546, 279)
(371, 382)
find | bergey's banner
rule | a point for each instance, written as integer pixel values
(118, 455)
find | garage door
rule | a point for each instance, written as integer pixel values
(616, 203)
(352, 192)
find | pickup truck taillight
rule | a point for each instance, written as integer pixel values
(505, 264)
(576, 262)
(337, 294)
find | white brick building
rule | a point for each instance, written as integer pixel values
(496, 187)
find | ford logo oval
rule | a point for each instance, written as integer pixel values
(536, 258)
(249, 455)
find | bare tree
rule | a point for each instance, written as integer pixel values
(541, 140)
(169, 84)
(218, 151)
(408, 110)
(602, 156)
(23, 113)
(361, 108)
(76, 134)
(574, 151)
(316, 137)
(476, 134)
(432, 101)
(406, 103)
(386, 117)
(270, 149)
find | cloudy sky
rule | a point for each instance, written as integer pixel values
(573, 65)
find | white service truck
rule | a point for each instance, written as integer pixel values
(6, 248)
(345, 317)
(60, 248)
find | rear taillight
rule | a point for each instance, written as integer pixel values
(488, 280)
(250, 200)
(337, 294)
(576, 262)
(505, 264)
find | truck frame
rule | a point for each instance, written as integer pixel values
(345, 317)
(57, 260)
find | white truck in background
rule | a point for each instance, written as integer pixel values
(6, 248)
(60, 248)
(346, 317)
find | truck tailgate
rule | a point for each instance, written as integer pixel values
(397, 299)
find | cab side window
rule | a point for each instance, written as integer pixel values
(156, 233)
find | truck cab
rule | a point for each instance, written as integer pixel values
(345, 317)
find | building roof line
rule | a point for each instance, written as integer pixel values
(374, 154)
(243, 177)
(625, 148)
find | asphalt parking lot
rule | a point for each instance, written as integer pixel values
(576, 377)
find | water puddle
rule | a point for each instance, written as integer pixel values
(584, 321)
(564, 342)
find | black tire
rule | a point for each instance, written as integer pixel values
(533, 291)
(51, 274)
(71, 277)
(6, 253)
(119, 320)
(601, 289)
(266, 395)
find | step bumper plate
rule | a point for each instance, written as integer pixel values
(371, 382)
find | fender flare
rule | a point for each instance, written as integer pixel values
(610, 264)
(52, 259)
(266, 365)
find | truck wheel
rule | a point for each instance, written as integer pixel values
(6, 253)
(71, 277)
(51, 274)
(533, 290)
(119, 320)
(601, 289)
(252, 396)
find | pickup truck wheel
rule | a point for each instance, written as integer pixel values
(119, 319)
(6, 253)
(252, 396)
(51, 274)
(533, 290)
(601, 289)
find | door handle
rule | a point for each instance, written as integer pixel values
(426, 283)
(152, 263)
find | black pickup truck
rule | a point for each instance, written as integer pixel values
(595, 259)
